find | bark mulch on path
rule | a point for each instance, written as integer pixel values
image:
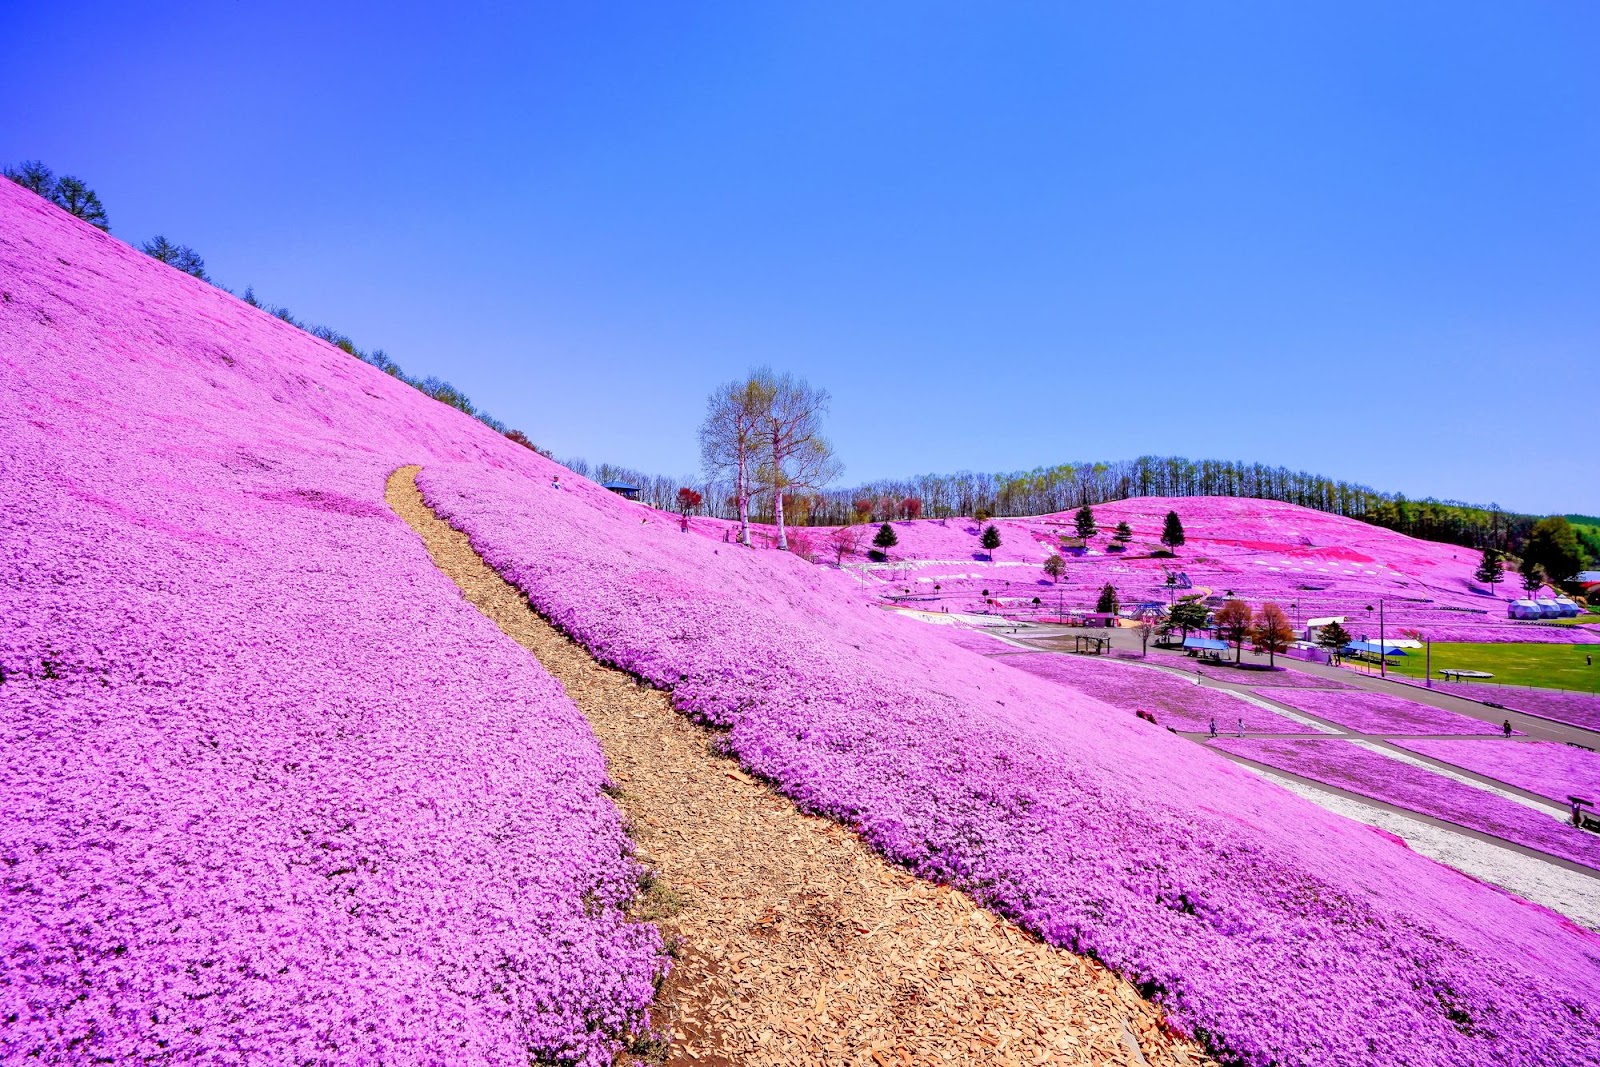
(794, 943)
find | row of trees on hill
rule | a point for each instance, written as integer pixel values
(73, 196)
(1551, 554)
(1066, 486)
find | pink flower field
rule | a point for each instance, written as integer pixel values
(1258, 549)
(1288, 678)
(1371, 774)
(276, 793)
(1380, 713)
(273, 792)
(1174, 701)
(1279, 932)
(1576, 709)
(1550, 770)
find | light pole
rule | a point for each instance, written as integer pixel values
(1383, 647)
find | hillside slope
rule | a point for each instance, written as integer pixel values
(271, 790)
(281, 790)
(1281, 933)
(1260, 550)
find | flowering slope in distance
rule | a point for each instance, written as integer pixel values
(1550, 770)
(1372, 774)
(1277, 931)
(273, 792)
(1381, 713)
(1260, 550)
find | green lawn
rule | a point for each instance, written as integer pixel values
(1551, 666)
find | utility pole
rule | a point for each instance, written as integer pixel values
(1383, 646)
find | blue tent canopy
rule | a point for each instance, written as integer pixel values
(1205, 644)
(1374, 648)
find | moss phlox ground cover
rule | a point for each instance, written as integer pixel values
(272, 791)
(1280, 932)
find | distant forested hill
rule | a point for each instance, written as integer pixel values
(1070, 485)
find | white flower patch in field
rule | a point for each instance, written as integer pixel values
(1557, 888)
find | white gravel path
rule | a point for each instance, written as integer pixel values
(1574, 895)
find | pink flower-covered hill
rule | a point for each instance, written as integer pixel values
(272, 791)
(1281, 933)
(1258, 549)
(283, 796)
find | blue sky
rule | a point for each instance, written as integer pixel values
(1356, 238)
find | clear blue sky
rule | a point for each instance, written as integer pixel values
(1357, 238)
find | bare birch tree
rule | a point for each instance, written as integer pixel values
(733, 439)
(797, 456)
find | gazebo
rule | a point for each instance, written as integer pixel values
(622, 489)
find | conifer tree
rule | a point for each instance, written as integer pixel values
(1084, 521)
(1172, 531)
(885, 540)
(991, 540)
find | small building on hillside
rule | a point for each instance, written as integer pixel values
(1522, 609)
(622, 489)
(1314, 626)
(1590, 580)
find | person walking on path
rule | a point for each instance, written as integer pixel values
(1505, 728)
(1241, 727)
(1213, 726)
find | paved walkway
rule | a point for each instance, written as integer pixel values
(1127, 640)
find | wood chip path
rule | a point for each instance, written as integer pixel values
(795, 944)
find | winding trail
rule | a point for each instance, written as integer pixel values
(794, 943)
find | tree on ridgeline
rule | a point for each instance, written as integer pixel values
(1332, 639)
(885, 540)
(1553, 546)
(1055, 566)
(1107, 603)
(1491, 569)
(1271, 632)
(1172, 531)
(1188, 614)
(797, 455)
(67, 193)
(990, 540)
(1532, 575)
(76, 198)
(688, 501)
(911, 508)
(33, 176)
(732, 439)
(522, 439)
(1084, 522)
(1233, 624)
(181, 257)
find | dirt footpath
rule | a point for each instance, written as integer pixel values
(794, 943)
